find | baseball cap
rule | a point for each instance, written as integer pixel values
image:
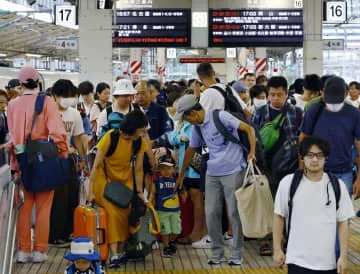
(184, 104)
(28, 73)
(334, 90)
(239, 87)
(13, 83)
(124, 87)
(166, 160)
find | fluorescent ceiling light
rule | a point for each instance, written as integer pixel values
(33, 55)
(3, 54)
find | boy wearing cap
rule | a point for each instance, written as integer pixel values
(83, 257)
(225, 171)
(167, 204)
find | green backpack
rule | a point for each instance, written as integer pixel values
(270, 133)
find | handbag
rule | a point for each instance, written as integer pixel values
(255, 204)
(40, 165)
(195, 163)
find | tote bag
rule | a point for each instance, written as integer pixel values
(255, 204)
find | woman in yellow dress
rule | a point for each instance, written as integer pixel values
(118, 168)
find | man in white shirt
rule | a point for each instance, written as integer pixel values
(315, 215)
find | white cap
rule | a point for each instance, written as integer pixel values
(124, 87)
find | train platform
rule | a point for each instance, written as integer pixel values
(194, 261)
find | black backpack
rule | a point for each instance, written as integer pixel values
(295, 184)
(233, 106)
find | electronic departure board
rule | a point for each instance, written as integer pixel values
(256, 28)
(152, 28)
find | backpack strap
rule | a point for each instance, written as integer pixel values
(135, 106)
(317, 115)
(109, 110)
(39, 104)
(228, 136)
(198, 131)
(336, 186)
(294, 186)
(136, 145)
(114, 139)
(99, 106)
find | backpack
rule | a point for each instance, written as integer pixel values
(114, 118)
(295, 184)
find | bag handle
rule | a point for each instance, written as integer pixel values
(249, 171)
(153, 229)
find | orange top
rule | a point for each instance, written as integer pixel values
(20, 114)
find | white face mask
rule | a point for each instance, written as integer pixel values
(66, 102)
(258, 103)
(335, 107)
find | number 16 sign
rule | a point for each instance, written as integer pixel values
(66, 16)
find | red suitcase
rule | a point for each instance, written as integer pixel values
(91, 222)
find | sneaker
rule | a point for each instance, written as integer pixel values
(235, 261)
(228, 239)
(172, 247)
(204, 243)
(155, 245)
(117, 260)
(39, 257)
(167, 252)
(214, 261)
(60, 244)
(23, 257)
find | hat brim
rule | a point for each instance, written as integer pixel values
(124, 92)
(90, 257)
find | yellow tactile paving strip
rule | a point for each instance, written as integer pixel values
(352, 270)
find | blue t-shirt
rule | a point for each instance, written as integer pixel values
(165, 197)
(340, 129)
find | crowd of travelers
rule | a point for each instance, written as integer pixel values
(187, 144)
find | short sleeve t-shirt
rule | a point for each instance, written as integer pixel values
(165, 197)
(72, 122)
(334, 126)
(313, 223)
(225, 158)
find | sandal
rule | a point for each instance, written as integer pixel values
(265, 250)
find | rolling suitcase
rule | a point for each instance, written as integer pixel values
(11, 199)
(91, 222)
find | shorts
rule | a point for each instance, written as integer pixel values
(170, 222)
(192, 183)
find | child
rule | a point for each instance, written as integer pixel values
(167, 204)
(83, 258)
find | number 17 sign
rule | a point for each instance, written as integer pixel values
(66, 16)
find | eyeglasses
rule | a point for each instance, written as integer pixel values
(319, 156)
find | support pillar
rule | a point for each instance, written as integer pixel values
(313, 46)
(199, 35)
(161, 63)
(95, 43)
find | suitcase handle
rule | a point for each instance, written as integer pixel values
(102, 230)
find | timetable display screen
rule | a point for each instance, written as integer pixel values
(256, 28)
(152, 28)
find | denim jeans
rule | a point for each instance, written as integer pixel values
(347, 178)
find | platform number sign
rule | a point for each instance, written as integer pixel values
(66, 16)
(335, 11)
(298, 4)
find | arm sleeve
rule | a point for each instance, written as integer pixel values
(104, 142)
(228, 120)
(306, 125)
(346, 209)
(282, 196)
(55, 126)
(195, 140)
(94, 112)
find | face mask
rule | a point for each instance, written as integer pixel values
(335, 107)
(66, 102)
(258, 103)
